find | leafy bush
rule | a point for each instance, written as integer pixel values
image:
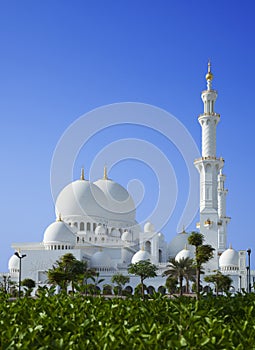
(85, 322)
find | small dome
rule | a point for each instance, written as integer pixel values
(59, 232)
(140, 256)
(13, 263)
(177, 243)
(183, 254)
(126, 236)
(149, 227)
(100, 230)
(161, 237)
(229, 258)
(100, 260)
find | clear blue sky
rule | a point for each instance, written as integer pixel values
(60, 59)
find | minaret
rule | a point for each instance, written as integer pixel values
(209, 166)
(223, 219)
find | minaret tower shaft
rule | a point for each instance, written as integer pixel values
(223, 219)
(209, 167)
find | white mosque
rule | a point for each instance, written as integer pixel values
(96, 222)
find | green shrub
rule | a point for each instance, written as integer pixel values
(85, 322)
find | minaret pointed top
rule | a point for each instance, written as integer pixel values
(105, 173)
(209, 76)
(82, 174)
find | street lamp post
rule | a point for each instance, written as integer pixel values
(240, 283)
(249, 270)
(247, 279)
(20, 256)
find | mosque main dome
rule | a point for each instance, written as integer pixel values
(104, 198)
(81, 198)
(119, 201)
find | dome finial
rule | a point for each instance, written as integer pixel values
(209, 75)
(105, 173)
(59, 218)
(82, 174)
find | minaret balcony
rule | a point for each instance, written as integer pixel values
(209, 158)
(208, 223)
(212, 114)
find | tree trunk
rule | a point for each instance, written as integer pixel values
(142, 288)
(198, 283)
(181, 280)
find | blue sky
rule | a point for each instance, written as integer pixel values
(60, 59)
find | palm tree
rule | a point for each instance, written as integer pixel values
(203, 253)
(221, 282)
(68, 270)
(30, 284)
(180, 270)
(171, 284)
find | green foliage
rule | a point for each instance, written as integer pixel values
(29, 284)
(73, 322)
(203, 253)
(70, 270)
(180, 270)
(171, 284)
(120, 280)
(222, 282)
(144, 269)
(107, 289)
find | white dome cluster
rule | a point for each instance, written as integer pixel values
(59, 233)
(229, 260)
(184, 254)
(101, 261)
(177, 243)
(140, 255)
(103, 198)
(13, 264)
(100, 230)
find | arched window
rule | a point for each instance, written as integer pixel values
(82, 226)
(88, 226)
(75, 224)
(148, 246)
(160, 255)
(94, 226)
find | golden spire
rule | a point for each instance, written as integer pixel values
(105, 173)
(82, 174)
(59, 218)
(209, 75)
